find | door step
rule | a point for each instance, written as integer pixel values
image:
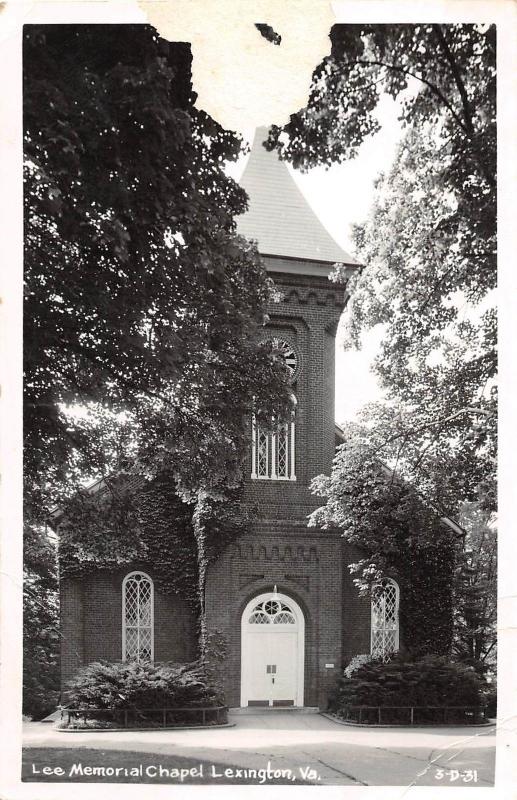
(275, 710)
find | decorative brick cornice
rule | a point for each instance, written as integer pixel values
(247, 551)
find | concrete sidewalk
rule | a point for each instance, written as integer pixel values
(338, 754)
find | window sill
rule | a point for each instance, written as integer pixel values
(273, 480)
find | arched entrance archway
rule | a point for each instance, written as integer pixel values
(272, 651)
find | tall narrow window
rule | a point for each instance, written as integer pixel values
(385, 618)
(137, 617)
(273, 454)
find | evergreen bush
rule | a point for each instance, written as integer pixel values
(403, 681)
(148, 685)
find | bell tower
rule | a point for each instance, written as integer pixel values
(282, 618)
(299, 253)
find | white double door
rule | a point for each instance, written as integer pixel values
(272, 653)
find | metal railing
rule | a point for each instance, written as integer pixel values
(413, 715)
(145, 717)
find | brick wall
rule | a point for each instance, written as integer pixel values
(356, 611)
(308, 317)
(91, 623)
(303, 566)
(306, 564)
(72, 625)
(311, 567)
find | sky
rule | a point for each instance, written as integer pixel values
(342, 195)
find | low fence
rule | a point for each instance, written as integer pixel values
(414, 715)
(144, 717)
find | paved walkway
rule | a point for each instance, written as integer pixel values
(336, 753)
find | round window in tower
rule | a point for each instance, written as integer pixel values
(288, 353)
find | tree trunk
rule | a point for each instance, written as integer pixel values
(200, 535)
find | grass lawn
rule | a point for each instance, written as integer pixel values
(86, 765)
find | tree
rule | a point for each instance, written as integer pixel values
(395, 533)
(40, 626)
(475, 635)
(450, 70)
(139, 294)
(429, 243)
(438, 358)
(429, 250)
(143, 308)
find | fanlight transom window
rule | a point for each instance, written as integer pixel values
(272, 612)
(137, 617)
(273, 453)
(385, 618)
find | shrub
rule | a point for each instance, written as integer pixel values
(132, 685)
(355, 663)
(489, 699)
(428, 681)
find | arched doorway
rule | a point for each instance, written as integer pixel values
(272, 651)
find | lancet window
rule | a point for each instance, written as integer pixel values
(137, 617)
(273, 453)
(385, 618)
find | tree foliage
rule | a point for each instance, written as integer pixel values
(449, 68)
(143, 308)
(40, 626)
(429, 244)
(396, 534)
(426, 282)
(475, 634)
(132, 522)
(139, 294)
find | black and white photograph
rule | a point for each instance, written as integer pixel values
(260, 505)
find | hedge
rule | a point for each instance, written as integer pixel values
(132, 685)
(402, 681)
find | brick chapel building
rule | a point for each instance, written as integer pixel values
(281, 596)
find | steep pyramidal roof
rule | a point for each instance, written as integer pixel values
(279, 217)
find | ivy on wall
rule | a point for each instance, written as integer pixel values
(425, 578)
(131, 521)
(397, 535)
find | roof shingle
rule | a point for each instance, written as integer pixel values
(279, 217)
